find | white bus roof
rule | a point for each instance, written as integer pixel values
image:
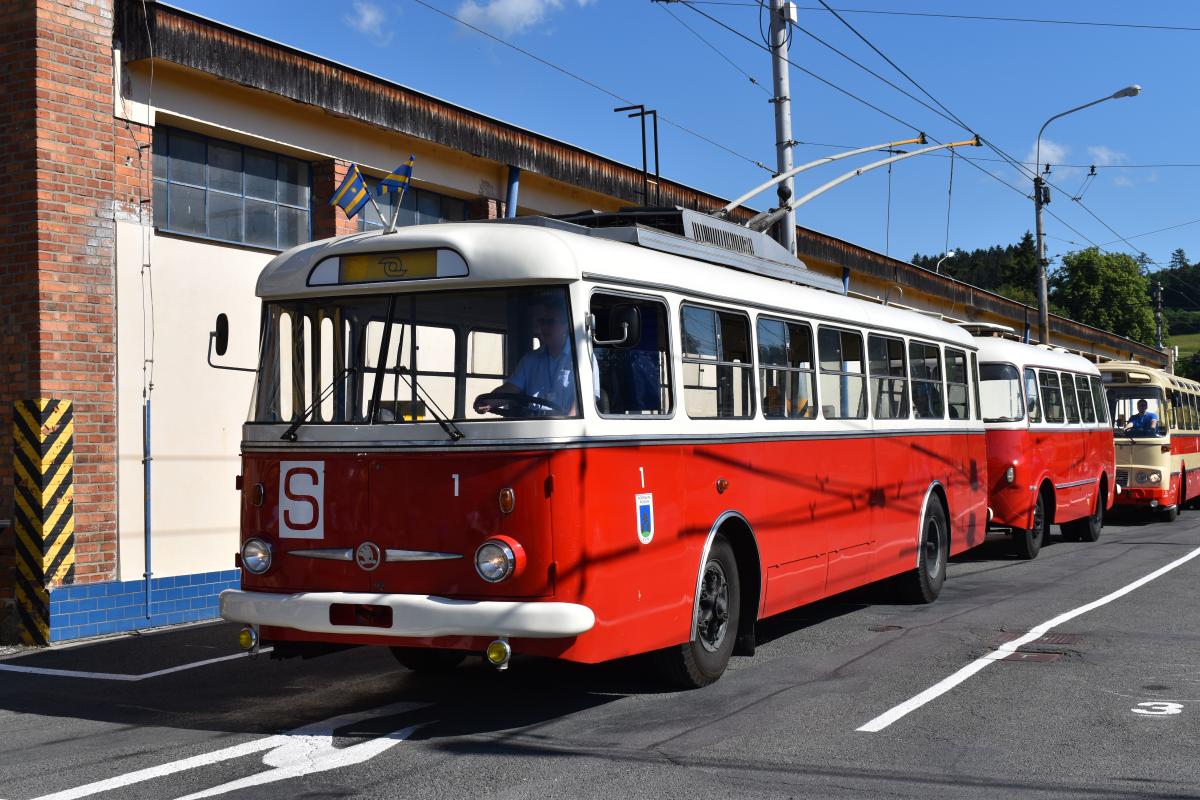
(506, 255)
(996, 350)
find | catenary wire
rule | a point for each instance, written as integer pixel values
(592, 84)
(714, 48)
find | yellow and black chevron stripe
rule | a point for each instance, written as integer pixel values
(44, 512)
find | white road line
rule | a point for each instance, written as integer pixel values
(111, 676)
(299, 752)
(933, 692)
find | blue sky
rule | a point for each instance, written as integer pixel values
(1003, 79)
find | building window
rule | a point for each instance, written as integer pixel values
(226, 191)
(419, 207)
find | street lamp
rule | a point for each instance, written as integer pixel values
(1041, 196)
(949, 254)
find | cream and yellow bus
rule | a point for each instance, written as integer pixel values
(1156, 426)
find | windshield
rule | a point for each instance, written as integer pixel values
(413, 358)
(1137, 411)
(1000, 393)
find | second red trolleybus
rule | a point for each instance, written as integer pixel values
(589, 438)
(1049, 442)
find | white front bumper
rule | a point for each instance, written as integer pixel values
(412, 614)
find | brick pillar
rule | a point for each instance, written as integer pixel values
(329, 220)
(57, 309)
(485, 208)
(19, 362)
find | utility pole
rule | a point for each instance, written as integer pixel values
(780, 12)
(1041, 196)
(1158, 313)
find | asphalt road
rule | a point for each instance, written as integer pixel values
(1105, 705)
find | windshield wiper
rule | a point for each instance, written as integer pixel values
(438, 415)
(290, 434)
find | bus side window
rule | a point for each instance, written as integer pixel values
(1033, 404)
(785, 368)
(717, 379)
(1051, 396)
(1194, 403)
(1070, 399)
(925, 363)
(843, 374)
(1085, 400)
(957, 391)
(1099, 400)
(633, 380)
(889, 377)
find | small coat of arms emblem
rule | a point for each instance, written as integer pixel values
(367, 556)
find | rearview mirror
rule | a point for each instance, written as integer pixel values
(222, 333)
(624, 324)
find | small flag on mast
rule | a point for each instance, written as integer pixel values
(398, 180)
(353, 194)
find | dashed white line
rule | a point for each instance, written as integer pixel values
(941, 687)
(112, 676)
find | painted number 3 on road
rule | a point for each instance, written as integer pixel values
(1158, 708)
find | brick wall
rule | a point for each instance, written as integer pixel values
(19, 362)
(329, 220)
(57, 312)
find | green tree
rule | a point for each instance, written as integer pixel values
(1010, 270)
(1178, 259)
(1106, 290)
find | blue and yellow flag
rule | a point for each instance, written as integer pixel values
(353, 194)
(398, 180)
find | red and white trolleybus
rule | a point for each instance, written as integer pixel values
(1049, 443)
(589, 438)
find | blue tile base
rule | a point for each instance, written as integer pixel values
(97, 609)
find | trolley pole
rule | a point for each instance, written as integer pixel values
(783, 118)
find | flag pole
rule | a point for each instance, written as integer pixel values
(391, 228)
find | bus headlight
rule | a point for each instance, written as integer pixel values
(499, 558)
(1148, 476)
(256, 556)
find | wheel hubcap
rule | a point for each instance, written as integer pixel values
(1039, 522)
(933, 548)
(712, 616)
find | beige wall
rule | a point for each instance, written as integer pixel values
(197, 411)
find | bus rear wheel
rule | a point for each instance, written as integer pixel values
(1088, 528)
(702, 660)
(1028, 543)
(924, 584)
(428, 659)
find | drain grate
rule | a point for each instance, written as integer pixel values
(1021, 655)
(1050, 638)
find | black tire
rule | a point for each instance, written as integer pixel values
(1028, 543)
(428, 659)
(701, 661)
(1168, 514)
(1088, 528)
(924, 584)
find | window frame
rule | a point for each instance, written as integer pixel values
(751, 365)
(940, 382)
(169, 132)
(1062, 403)
(670, 352)
(761, 367)
(966, 384)
(863, 376)
(904, 377)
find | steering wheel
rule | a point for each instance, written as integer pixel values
(518, 405)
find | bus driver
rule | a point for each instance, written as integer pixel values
(1144, 422)
(547, 373)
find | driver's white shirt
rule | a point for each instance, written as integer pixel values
(540, 374)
